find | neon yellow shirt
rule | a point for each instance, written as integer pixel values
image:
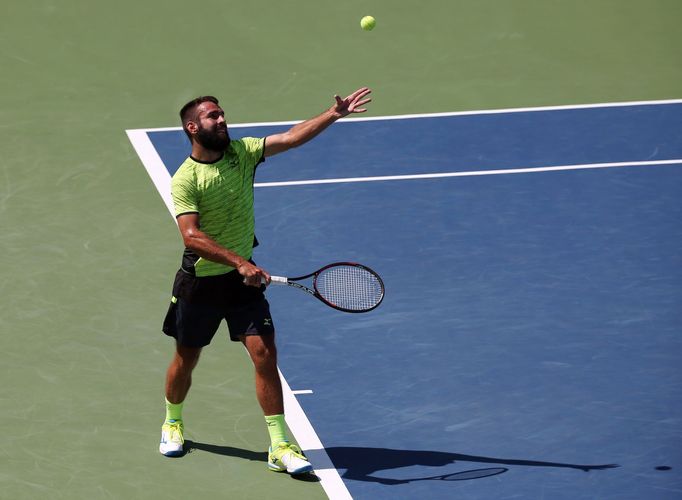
(222, 194)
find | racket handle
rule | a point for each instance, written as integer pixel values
(278, 280)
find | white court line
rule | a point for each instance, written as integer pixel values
(154, 165)
(471, 173)
(453, 113)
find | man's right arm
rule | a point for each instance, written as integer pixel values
(207, 248)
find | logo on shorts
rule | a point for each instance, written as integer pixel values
(267, 322)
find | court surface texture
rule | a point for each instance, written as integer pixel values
(528, 345)
(529, 238)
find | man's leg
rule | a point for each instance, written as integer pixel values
(179, 374)
(178, 382)
(263, 352)
(282, 455)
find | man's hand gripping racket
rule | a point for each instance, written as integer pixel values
(346, 286)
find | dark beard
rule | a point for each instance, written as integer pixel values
(213, 140)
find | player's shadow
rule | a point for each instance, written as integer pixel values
(360, 463)
(230, 451)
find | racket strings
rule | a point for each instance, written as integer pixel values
(350, 287)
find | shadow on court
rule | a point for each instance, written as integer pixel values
(230, 451)
(361, 462)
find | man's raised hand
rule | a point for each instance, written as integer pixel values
(353, 103)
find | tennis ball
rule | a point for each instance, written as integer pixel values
(368, 23)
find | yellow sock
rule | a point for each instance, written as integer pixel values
(173, 411)
(277, 429)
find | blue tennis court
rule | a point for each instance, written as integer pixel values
(529, 342)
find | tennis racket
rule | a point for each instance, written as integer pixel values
(345, 286)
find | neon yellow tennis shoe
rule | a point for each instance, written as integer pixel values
(171, 438)
(288, 457)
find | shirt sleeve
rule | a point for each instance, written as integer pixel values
(254, 149)
(184, 193)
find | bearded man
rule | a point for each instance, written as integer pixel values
(218, 280)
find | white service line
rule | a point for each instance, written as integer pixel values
(472, 173)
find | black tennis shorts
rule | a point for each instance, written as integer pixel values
(199, 305)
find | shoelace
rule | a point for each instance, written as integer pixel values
(286, 448)
(296, 451)
(174, 429)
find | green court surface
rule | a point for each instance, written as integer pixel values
(89, 249)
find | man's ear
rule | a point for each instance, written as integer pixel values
(192, 127)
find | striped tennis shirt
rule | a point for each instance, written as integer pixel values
(222, 194)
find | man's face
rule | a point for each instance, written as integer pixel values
(211, 127)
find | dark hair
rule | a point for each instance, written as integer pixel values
(188, 111)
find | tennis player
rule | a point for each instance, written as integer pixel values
(218, 280)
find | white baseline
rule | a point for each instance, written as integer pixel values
(625, 104)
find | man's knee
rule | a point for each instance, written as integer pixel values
(187, 357)
(262, 350)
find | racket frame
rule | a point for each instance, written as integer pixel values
(281, 280)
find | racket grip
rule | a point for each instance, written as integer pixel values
(278, 280)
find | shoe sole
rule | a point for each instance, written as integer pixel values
(275, 468)
(296, 472)
(303, 470)
(172, 453)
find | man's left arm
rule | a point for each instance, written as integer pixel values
(303, 132)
